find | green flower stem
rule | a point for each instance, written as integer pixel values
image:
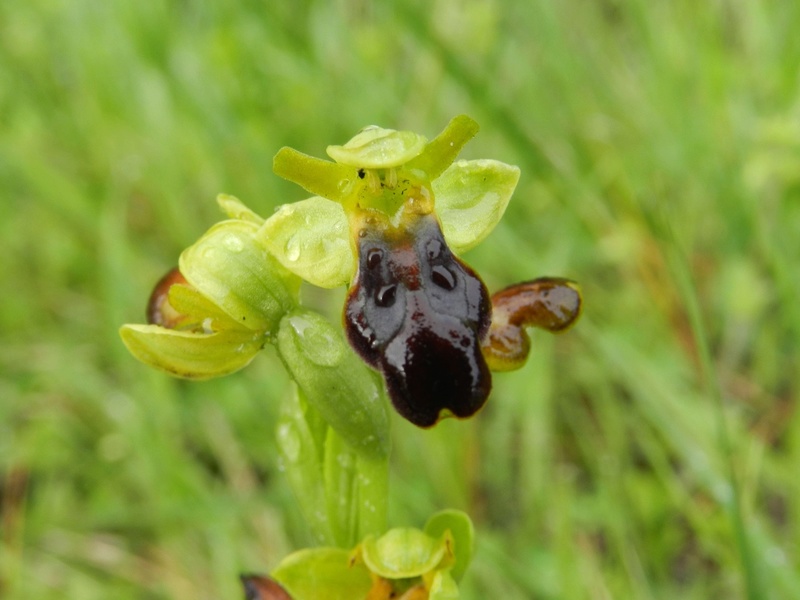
(340, 489)
(373, 493)
(298, 435)
(342, 494)
(334, 432)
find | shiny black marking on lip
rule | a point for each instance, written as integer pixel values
(418, 314)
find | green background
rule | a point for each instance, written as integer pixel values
(651, 452)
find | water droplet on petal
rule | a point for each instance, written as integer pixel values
(289, 441)
(233, 243)
(293, 249)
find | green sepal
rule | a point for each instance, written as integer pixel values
(235, 209)
(403, 552)
(311, 238)
(323, 574)
(442, 150)
(198, 309)
(471, 197)
(443, 586)
(335, 381)
(377, 148)
(301, 441)
(462, 531)
(229, 267)
(320, 177)
(192, 355)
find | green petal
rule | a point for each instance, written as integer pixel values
(463, 533)
(403, 552)
(229, 267)
(192, 355)
(235, 209)
(311, 238)
(471, 197)
(442, 150)
(322, 574)
(376, 148)
(320, 177)
(335, 381)
(443, 587)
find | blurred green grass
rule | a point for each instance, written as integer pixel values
(660, 149)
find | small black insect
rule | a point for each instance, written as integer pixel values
(418, 314)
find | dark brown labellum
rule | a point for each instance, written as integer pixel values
(418, 314)
(259, 587)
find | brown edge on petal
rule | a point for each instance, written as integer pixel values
(261, 587)
(159, 310)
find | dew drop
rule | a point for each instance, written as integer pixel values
(289, 441)
(317, 341)
(233, 243)
(292, 249)
(207, 322)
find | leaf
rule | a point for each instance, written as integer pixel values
(311, 238)
(229, 267)
(377, 148)
(192, 355)
(471, 197)
(463, 535)
(323, 574)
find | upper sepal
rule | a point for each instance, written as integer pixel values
(377, 148)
